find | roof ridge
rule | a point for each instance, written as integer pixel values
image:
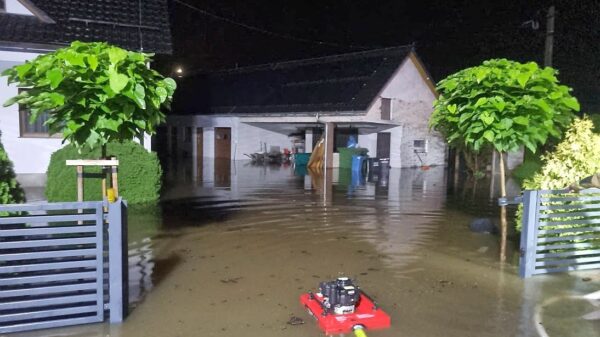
(311, 60)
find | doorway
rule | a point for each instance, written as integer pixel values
(383, 144)
(222, 157)
(223, 143)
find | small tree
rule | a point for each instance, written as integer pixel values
(94, 93)
(504, 105)
(10, 190)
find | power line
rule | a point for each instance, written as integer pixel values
(268, 32)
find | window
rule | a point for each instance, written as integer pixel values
(386, 109)
(420, 145)
(35, 130)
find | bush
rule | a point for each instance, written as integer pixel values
(139, 174)
(527, 169)
(575, 158)
(10, 190)
(596, 120)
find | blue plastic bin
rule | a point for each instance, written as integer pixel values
(358, 163)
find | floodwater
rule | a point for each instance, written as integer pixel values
(230, 250)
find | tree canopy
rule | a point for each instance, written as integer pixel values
(503, 104)
(94, 93)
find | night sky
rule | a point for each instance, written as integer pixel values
(448, 34)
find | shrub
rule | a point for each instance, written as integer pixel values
(10, 190)
(139, 174)
(596, 120)
(575, 158)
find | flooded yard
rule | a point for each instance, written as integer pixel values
(229, 255)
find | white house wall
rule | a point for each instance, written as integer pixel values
(412, 105)
(245, 138)
(30, 156)
(16, 7)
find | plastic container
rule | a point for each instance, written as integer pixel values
(301, 159)
(359, 163)
(346, 155)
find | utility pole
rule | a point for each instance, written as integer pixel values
(549, 36)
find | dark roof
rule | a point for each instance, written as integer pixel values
(115, 21)
(339, 83)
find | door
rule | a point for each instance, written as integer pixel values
(222, 157)
(383, 144)
(223, 143)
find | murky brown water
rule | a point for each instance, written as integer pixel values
(229, 255)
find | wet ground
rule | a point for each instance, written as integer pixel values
(229, 252)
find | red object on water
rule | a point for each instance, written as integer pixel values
(366, 313)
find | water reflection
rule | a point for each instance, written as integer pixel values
(229, 257)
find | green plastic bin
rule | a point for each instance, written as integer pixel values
(347, 153)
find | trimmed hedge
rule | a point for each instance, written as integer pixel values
(139, 174)
(10, 190)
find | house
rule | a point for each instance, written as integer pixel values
(383, 97)
(29, 28)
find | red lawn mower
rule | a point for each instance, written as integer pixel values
(341, 307)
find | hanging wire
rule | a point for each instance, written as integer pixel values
(271, 33)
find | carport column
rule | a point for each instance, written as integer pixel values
(194, 155)
(329, 139)
(308, 141)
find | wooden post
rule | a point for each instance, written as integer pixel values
(79, 183)
(115, 183)
(103, 182)
(104, 164)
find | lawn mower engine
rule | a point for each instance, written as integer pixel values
(341, 307)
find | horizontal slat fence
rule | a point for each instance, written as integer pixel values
(560, 232)
(52, 264)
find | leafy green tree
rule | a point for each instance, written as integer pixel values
(504, 105)
(94, 93)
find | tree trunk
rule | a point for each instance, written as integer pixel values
(503, 219)
(502, 176)
(456, 168)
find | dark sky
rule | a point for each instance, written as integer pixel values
(448, 34)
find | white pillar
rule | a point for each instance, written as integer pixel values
(329, 139)
(308, 141)
(194, 155)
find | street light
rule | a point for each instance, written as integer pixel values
(179, 71)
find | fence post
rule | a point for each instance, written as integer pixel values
(118, 268)
(529, 230)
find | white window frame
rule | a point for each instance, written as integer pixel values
(420, 149)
